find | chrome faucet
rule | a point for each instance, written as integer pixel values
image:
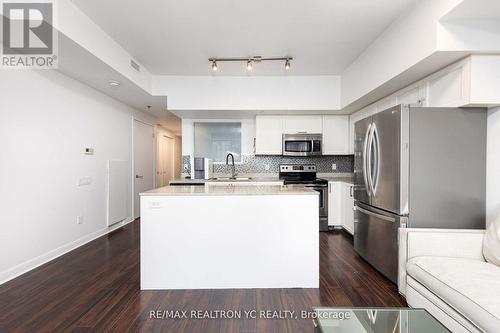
(233, 175)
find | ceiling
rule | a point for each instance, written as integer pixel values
(474, 10)
(172, 37)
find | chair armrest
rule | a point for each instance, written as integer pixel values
(455, 243)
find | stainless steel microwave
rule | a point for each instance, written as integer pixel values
(302, 144)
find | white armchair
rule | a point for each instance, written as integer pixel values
(454, 243)
(444, 272)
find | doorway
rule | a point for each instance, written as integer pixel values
(144, 157)
(165, 160)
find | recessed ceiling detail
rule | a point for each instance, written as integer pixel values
(172, 37)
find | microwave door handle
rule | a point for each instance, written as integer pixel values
(365, 160)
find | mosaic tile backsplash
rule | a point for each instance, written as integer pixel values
(257, 164)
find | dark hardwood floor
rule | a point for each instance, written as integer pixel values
(95, 288)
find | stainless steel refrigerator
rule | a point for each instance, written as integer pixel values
(416, 167)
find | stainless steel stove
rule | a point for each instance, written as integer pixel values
(305, 175)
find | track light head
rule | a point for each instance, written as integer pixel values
(287, 64)
(214, 66)
(249, 65)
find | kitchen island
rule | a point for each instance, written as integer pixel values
(212, 237)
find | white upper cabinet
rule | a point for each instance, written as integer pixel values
(413, 95)
(472, 81)
(353, 118)
(449, 87)
(384, 104)
(268, 135)
(335, 135)
(270, 129)
(302, 124)
(484, 80)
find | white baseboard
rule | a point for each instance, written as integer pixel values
(27, 266)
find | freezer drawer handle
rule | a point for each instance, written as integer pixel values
(380, 216)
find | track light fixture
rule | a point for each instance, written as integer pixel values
(250, 61)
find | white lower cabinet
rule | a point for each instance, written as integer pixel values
(335, 204)
(340, 205)
(348, 207)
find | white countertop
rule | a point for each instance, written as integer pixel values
(338, 177)
(224, 179)
(229, 190)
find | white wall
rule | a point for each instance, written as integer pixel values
(493, 166)
(46, 120)
(249, 92)
(247, 134)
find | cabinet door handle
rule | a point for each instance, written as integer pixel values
(350, 191)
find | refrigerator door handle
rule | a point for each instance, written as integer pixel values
(377, 160)
(369, 158)
(365, 160)
(379, 216)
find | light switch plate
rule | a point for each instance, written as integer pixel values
(334, 166)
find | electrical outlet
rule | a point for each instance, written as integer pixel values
(83, 181)
(267, 167)
(334, 166)
(79, 219)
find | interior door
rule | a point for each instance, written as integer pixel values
(385, 159)
(362, 190)
(144, 159)
(165, 170)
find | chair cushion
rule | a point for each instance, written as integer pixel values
(469, 286)
(491, 243)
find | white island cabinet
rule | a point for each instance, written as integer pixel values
(212, 237)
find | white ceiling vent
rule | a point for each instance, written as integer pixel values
(135, 65)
